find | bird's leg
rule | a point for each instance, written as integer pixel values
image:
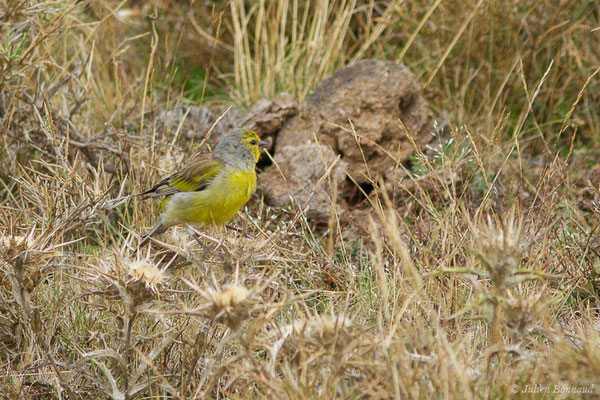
(238, 230)
(234, 228)
(199, 241)
(223, 234)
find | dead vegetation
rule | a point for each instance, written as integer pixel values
(475, 274)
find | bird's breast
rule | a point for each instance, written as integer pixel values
(218, 203)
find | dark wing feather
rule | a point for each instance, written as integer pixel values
(193, 177)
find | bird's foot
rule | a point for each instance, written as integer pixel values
(239, 230)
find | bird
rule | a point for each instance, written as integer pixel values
(211, 187)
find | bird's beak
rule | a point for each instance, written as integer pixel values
(262, 145)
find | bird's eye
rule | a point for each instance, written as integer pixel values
(254, 142)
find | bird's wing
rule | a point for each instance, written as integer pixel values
(193, 177)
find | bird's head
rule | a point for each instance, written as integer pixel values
(241, 148)
(253, 142)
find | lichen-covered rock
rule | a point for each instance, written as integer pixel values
(377, 98)
(194, 122)
(310, 169)
(365, 113)
(267, 117)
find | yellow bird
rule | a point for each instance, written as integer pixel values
(210, 188)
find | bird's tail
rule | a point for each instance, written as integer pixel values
(156, 230)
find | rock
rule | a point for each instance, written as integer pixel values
(196, 121)
(360, 104)
(268, 116)
(307, 180)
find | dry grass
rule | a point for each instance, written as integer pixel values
(280, 46)
(478, 278)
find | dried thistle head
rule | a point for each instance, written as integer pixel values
(29, 247)
(330, 328)
(230, 305)
(419, 340)
(499, 246)
(8, 242)
(146, 272)
(311, 336)
(12, 246)
(135, 280)
(28, 257)
(522, 314)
